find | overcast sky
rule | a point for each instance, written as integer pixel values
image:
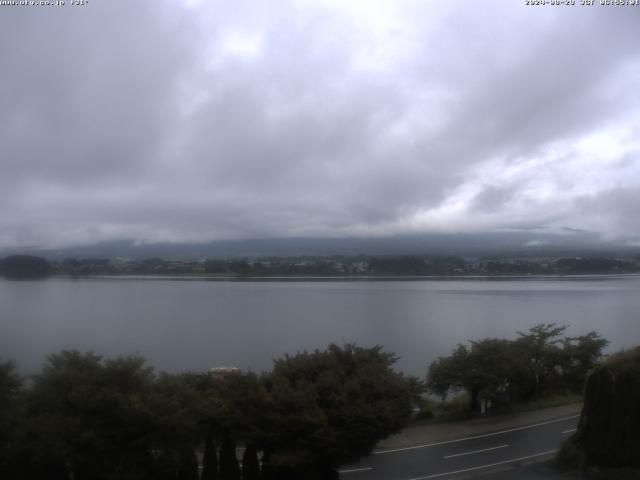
(202, 120)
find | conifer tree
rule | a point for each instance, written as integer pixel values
(188, 465)
(250, 465)
(210, 460)
(229, 467)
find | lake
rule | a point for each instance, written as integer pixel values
(180, 324)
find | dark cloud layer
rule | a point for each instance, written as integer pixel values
(194, 121)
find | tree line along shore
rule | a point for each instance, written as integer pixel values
(360, 265)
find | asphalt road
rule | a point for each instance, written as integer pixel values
(464, 457)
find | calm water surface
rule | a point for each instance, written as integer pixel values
(193, 325)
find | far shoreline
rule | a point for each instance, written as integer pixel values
(209, 277)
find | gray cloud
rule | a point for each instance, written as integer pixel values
(164, 121)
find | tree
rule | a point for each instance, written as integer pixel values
(10, 383)
(494, 366)
(24, 266)
(595, 265)
(210, 458)
(233, 410)
(543, 356)
(88, 415)
(503, 370)
(608, 433)
(582, 354)
(487, 369)
(250, 464)
(97, 418)
(404, 265)
(187, 464)
(179, 416)
(239, 408)
(330, 407)
(446, 373)
(229, 467)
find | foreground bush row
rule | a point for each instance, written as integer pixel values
(87, 417)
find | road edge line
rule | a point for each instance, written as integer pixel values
(504, 462)
(445, 442)
(455, 455)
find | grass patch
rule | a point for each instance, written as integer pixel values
(457, 408)
(543, 402)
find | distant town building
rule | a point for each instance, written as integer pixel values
(222, 372)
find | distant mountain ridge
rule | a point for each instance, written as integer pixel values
(503, 244)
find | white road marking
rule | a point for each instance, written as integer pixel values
(436, 475)
(475, 451)
(380, 452)
(354, 470)
(569, 431)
